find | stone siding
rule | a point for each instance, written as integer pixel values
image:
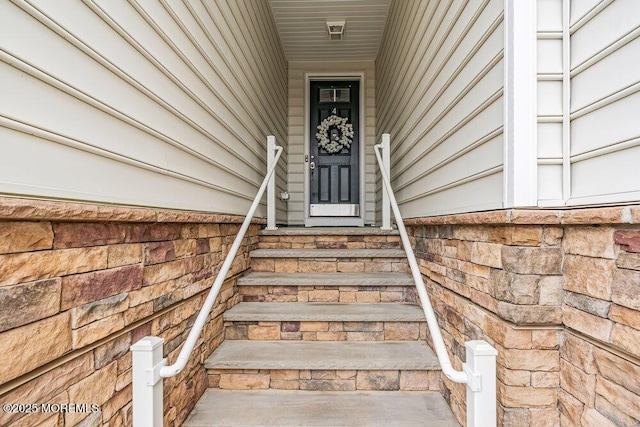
(80, 283)
(556, 292)
(323, 380)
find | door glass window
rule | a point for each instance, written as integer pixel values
(334, 95)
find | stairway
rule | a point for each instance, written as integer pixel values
(328, 332)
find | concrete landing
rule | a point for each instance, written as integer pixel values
(328, 253)
(325, 279)
(324, 312)
(295, 408)
(329, 231)
(323, 355)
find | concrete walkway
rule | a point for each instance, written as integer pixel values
(295, 408)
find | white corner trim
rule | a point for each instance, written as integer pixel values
(520, 104)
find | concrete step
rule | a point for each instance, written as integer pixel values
(324, 312)
(326, 279)
(327, 287)
(327, 253)
(291, 408)
(327, 355)
(288, 408)
(325, 322)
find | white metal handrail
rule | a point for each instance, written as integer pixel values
(151, 368)
(479, 371)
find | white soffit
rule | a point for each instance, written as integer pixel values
(302, 26)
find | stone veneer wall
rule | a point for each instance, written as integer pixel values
(80, 283)
(557, 293)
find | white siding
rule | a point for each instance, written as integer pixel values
(550, 101)
(164, 104)
(440, 95)
(589, 143)
(296, 164)
(605, 100)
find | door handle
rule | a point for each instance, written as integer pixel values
(312, 165)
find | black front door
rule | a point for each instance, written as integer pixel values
(334, 148)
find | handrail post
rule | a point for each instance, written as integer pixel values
(479, 372)
(481, 386)
(271, 186)
(147, 391)
(386, 159)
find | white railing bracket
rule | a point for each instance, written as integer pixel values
(474, 380)
(153, 374)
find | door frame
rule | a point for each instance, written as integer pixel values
(357, 221)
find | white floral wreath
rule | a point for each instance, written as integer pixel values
(332, 145)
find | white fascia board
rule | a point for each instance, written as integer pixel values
(520, 105)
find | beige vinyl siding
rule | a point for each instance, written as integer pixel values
(550, 101)
(296, 164)
(605, 100)
(164, 104)
(440, 95)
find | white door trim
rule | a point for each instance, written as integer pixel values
(335, 221)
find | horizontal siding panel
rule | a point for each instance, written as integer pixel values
(606, 126)
(605, 100)
(160, 91)
(612, 23)
(438, 125)
(101, 178)
(580, 8)
(482, 194)
(469, 164)
(474, 132)
(606, 77)
(607, 175)
(440, 82)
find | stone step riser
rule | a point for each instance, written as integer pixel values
(330, 265)
(323, 380)
(326, 331)
(342, 294)
(329, 242)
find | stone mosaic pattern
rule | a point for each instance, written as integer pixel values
(559, 300)
(326, 331)
(330, 242)
(323, 380)
(95, 288)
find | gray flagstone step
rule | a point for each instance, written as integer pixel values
(292, 408)
(323, 355)
(324, 312)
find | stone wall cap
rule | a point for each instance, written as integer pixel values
(16, 208)
(628, 214)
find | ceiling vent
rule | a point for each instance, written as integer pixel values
(336, 29)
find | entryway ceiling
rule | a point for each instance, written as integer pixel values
(302, 25)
